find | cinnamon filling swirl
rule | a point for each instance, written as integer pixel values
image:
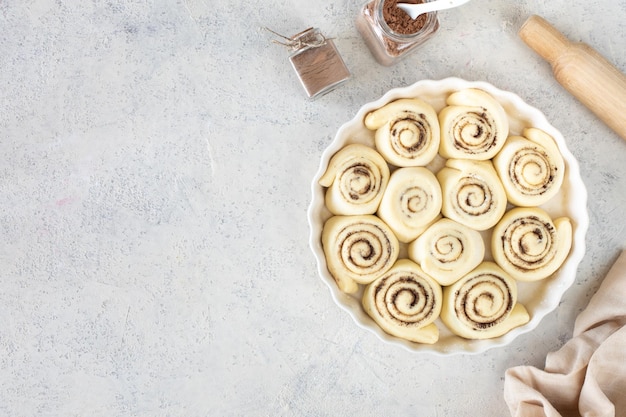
(473, 197)
(531, 168)
(531, 171)
(483, 301)
(411, 202)
(360, 182)
(483, 304)
(472, 193)
(356, 178)
(407, 132)
(447, 250)
(473, 126)
(358, 249)
(405, 302)
(529, 245)
(473, 132)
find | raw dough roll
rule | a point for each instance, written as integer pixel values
(405, 302)
(529, 245)
(358, 249)
(407, 132)
(483, 304)
(473, 126)
(472, 193)
(412, 201)
(531, 168)
(448, 250)
(356, 178)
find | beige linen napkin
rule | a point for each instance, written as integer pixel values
(587, 376)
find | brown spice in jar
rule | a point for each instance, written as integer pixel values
(320, 68)
(399, 21)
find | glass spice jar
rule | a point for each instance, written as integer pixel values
(316, 61)
(390, 33)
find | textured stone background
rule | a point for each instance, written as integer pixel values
(156, 160)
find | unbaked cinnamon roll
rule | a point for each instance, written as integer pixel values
(412, 201)
(472, 193)
(473, 125)
(448, 250)
(483, 304)
(529, 245)
(407, 132)
(356, 178)
(531, 168)
(405, 302)
(358, 249)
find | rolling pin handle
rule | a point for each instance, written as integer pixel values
(582, 71)
(544, 38)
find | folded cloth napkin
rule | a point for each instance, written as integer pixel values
(587, 376)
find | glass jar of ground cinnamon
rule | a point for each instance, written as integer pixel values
(390, 33)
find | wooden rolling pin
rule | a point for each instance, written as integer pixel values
(582, 71)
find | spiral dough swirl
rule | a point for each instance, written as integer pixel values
(472, 131)
(472, 193)
(405, 302)
(483, 304)
(529, 245)
(531, 168)
(483, 301)
(358, 249)
(447, 250)
(411, 202)
(473, 126)
(356, 178)
(407, 132)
